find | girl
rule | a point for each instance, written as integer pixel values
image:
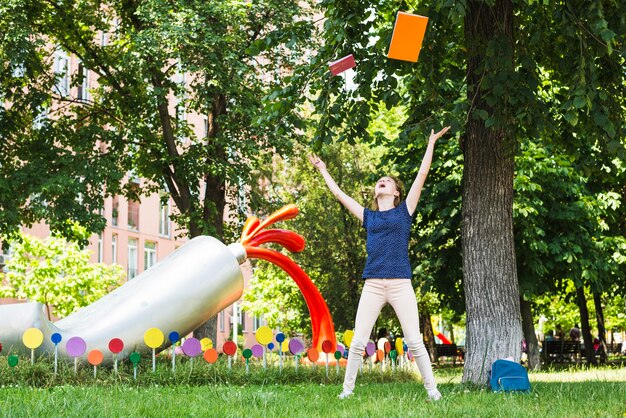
(387, 270)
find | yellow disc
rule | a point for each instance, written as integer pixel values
(399, 346)
(347, 337)
(206, 344)
(284, 346)
(153, 338)
(32, 338)
(264, 335)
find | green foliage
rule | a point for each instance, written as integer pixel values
(273, 294)
(57, 273)
(154, 61)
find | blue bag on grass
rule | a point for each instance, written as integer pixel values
(509, 376)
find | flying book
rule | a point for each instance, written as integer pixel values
(341, 65)
(407, 37)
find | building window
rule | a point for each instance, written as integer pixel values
(114, 249)
(149, 255)
(164, 218)
(100, 248)
(104, 38)
(115, 210)
(83, 86)
(220, 320)
(132, 258)
(133, 215)
(61, 69)
(181, 110)
(257, 322)
(242, 320)
(40, 118)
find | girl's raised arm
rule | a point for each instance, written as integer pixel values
(416, 189)
(348, 202)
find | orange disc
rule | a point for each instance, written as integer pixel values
(380, 355)
(313, 354)
(210, 355)
(95, 357)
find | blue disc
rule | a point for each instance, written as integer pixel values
(173, 337)
(270, 346)
(280, 337)
(56, 338)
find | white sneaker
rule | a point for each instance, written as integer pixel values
(434, 395)
(344, 395)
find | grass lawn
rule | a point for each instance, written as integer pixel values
(215, 391)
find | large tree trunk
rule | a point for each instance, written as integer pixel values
(494, 328)
(528, 326)
(584, 325)
(597, 301)
(426, 327)
(214, 198)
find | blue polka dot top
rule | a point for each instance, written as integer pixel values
(388, 235)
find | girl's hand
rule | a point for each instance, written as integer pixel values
(315, 160)
(435, 136)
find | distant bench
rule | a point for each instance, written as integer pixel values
(448, 350)
(560, 351)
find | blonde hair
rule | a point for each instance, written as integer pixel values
(397, 200)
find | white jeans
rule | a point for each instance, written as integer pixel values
(400, 295)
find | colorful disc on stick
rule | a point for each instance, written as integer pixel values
(284, 346)
(95, 357)
(338, 354)
(264, 335)
(380, 355)
(327, 346)
(153, 337)
(399, 346)
(76, 347)
(210, 355)
(116, 345)
(270, 346)
(134, 358)
(347, 337)
(192, 347)
(370, 348)
(32, 338)
(13, 360)
(387, 347)
(56, 338)
(247, 353)
(393, 354)
(340, 347)
(257, 350)
(229, 348)
(313, 355)
(280, 337)
(296, 346)
(173, 337)
(206, 343)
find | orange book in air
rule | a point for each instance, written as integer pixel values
(407, 37)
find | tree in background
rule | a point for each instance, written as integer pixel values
(57, 273)
(69, 141)
(499, 72)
